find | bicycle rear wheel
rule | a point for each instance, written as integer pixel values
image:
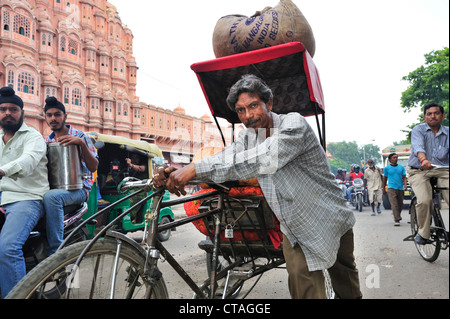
(92, 279)
(430, 251)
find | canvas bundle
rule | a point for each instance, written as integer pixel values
(272, 26)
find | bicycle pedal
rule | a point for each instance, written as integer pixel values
(242, 273)
(409, 238)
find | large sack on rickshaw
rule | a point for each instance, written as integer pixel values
(210, 151)
(282, 24)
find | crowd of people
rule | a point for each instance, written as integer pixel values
(390, 180)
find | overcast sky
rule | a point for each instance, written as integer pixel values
(363, 49)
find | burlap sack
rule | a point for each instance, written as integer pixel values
(207, 151)
(282, 24)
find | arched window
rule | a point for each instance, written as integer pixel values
(6, 21)
(25, 83)
(76, 97)
(73, 47)
(11, 78)
(63, 43)
(22, 25)
(66, 95)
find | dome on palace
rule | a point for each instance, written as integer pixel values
(179, 109)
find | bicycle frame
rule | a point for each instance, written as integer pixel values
(154, 248)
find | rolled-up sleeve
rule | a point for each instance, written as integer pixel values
(418, 140)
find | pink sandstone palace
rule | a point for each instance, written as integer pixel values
(80, 52)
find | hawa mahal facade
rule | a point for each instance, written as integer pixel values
(80, 52)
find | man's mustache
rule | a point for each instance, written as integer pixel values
(252, 121)
(9, 118)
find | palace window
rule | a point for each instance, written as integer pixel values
(22, 25)
(73, 47)
(47, 39)
(11, 79)
(76, 97)
(25, 83)
(63, 43)
(6, 21)
(66, 95)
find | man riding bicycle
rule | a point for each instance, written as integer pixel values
(429, 146)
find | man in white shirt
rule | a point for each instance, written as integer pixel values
(374, 178)
(24, 181)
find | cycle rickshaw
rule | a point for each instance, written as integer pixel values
(111, 265)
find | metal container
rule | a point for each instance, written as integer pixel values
(64, 167)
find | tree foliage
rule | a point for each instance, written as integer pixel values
(348, 153)
(428, 83)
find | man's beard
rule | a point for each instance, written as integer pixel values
(12, 128)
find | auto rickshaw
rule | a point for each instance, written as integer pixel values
(112, 169)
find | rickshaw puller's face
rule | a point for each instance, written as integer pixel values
(253, 112)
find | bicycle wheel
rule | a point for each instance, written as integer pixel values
(430, 251)
(92, 280)
(360, 202)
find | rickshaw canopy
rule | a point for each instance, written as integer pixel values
(287, 68)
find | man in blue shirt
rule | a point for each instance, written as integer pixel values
(56, 199)
(395, 176)
(429, 146)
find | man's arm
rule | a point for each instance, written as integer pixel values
(33, 151)
(418, 147)
(384, 184)
(86, 154)
(244, 160)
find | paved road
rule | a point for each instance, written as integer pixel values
(389, 267)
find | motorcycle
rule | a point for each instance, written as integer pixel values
(357, 196)
(35, 248)
(343, 187)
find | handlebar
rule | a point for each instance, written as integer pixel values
(439, 166)
(132, 182)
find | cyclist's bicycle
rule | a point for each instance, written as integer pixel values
(439, 239)
(112, 265)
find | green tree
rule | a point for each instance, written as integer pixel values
(348, 153)
(428, 83)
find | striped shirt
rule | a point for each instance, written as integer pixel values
(88, 182)
(435, 148)
(294, 174)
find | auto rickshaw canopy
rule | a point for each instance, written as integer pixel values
(142, 148)
(151, 150)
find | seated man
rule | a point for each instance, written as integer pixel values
(429, 146)
(56, 199)
(24, 181)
